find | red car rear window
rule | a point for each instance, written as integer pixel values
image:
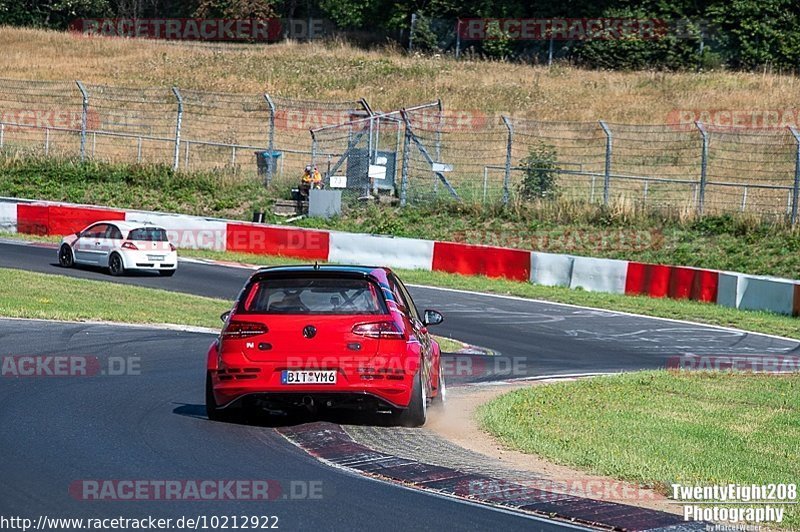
(315, 295)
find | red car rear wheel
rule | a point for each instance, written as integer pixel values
(417, 412)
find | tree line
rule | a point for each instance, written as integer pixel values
(697, 34)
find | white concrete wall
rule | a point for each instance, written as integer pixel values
(599, 275)
(375, 250)
(551, 269)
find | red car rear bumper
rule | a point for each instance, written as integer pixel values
(234, 381)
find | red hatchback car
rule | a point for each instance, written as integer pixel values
(317, 337)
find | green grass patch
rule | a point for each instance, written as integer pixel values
(660, 427)
(63, 298)
(148, 187)
(755, 321)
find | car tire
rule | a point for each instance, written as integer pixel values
(417, 412)
(212, 409)
(167, 273)
(115, 265)
(65, 257)
(438, 402)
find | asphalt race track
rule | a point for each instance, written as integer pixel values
(534, 338)
(59, 430)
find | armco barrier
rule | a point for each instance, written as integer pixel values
(551, 269)
(188, 232)
(271, 240)
(406, 253)
(8, 217)
(599, 275)
(482, 260)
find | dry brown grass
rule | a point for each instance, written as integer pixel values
(388, 79)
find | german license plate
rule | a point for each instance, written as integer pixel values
(155, 258)
(308, 377)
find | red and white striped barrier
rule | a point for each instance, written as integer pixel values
(731, 289)
(8, 217)
(188, 232)
(676, 282)
(394, 252)
(482, 260)
(599, 275)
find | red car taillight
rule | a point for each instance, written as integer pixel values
(243, 329)
(381, 329)
(129, 245)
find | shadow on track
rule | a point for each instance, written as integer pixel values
(260, 418)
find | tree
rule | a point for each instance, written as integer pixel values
(239, 9)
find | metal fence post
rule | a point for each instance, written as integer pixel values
(609, 151)
(179, 119)
(701, 195)
(313, 147)
(271, 140)
(509, 145)
(84, 117)
(440, 111)
(404, 172)
(370, 139)
(2, 131)
(411, 32)
(796, 189)
(458, 38)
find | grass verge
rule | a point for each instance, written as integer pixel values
(763, 322)
(660, 427)
(64, 298)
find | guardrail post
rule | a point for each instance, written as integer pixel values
(270, 141)
(509, 145)
(796, 189)
(701, 194)
(84, 117)
(404, 171)
(177, 157)
(609, 152)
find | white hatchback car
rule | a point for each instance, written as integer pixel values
(120, 246)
